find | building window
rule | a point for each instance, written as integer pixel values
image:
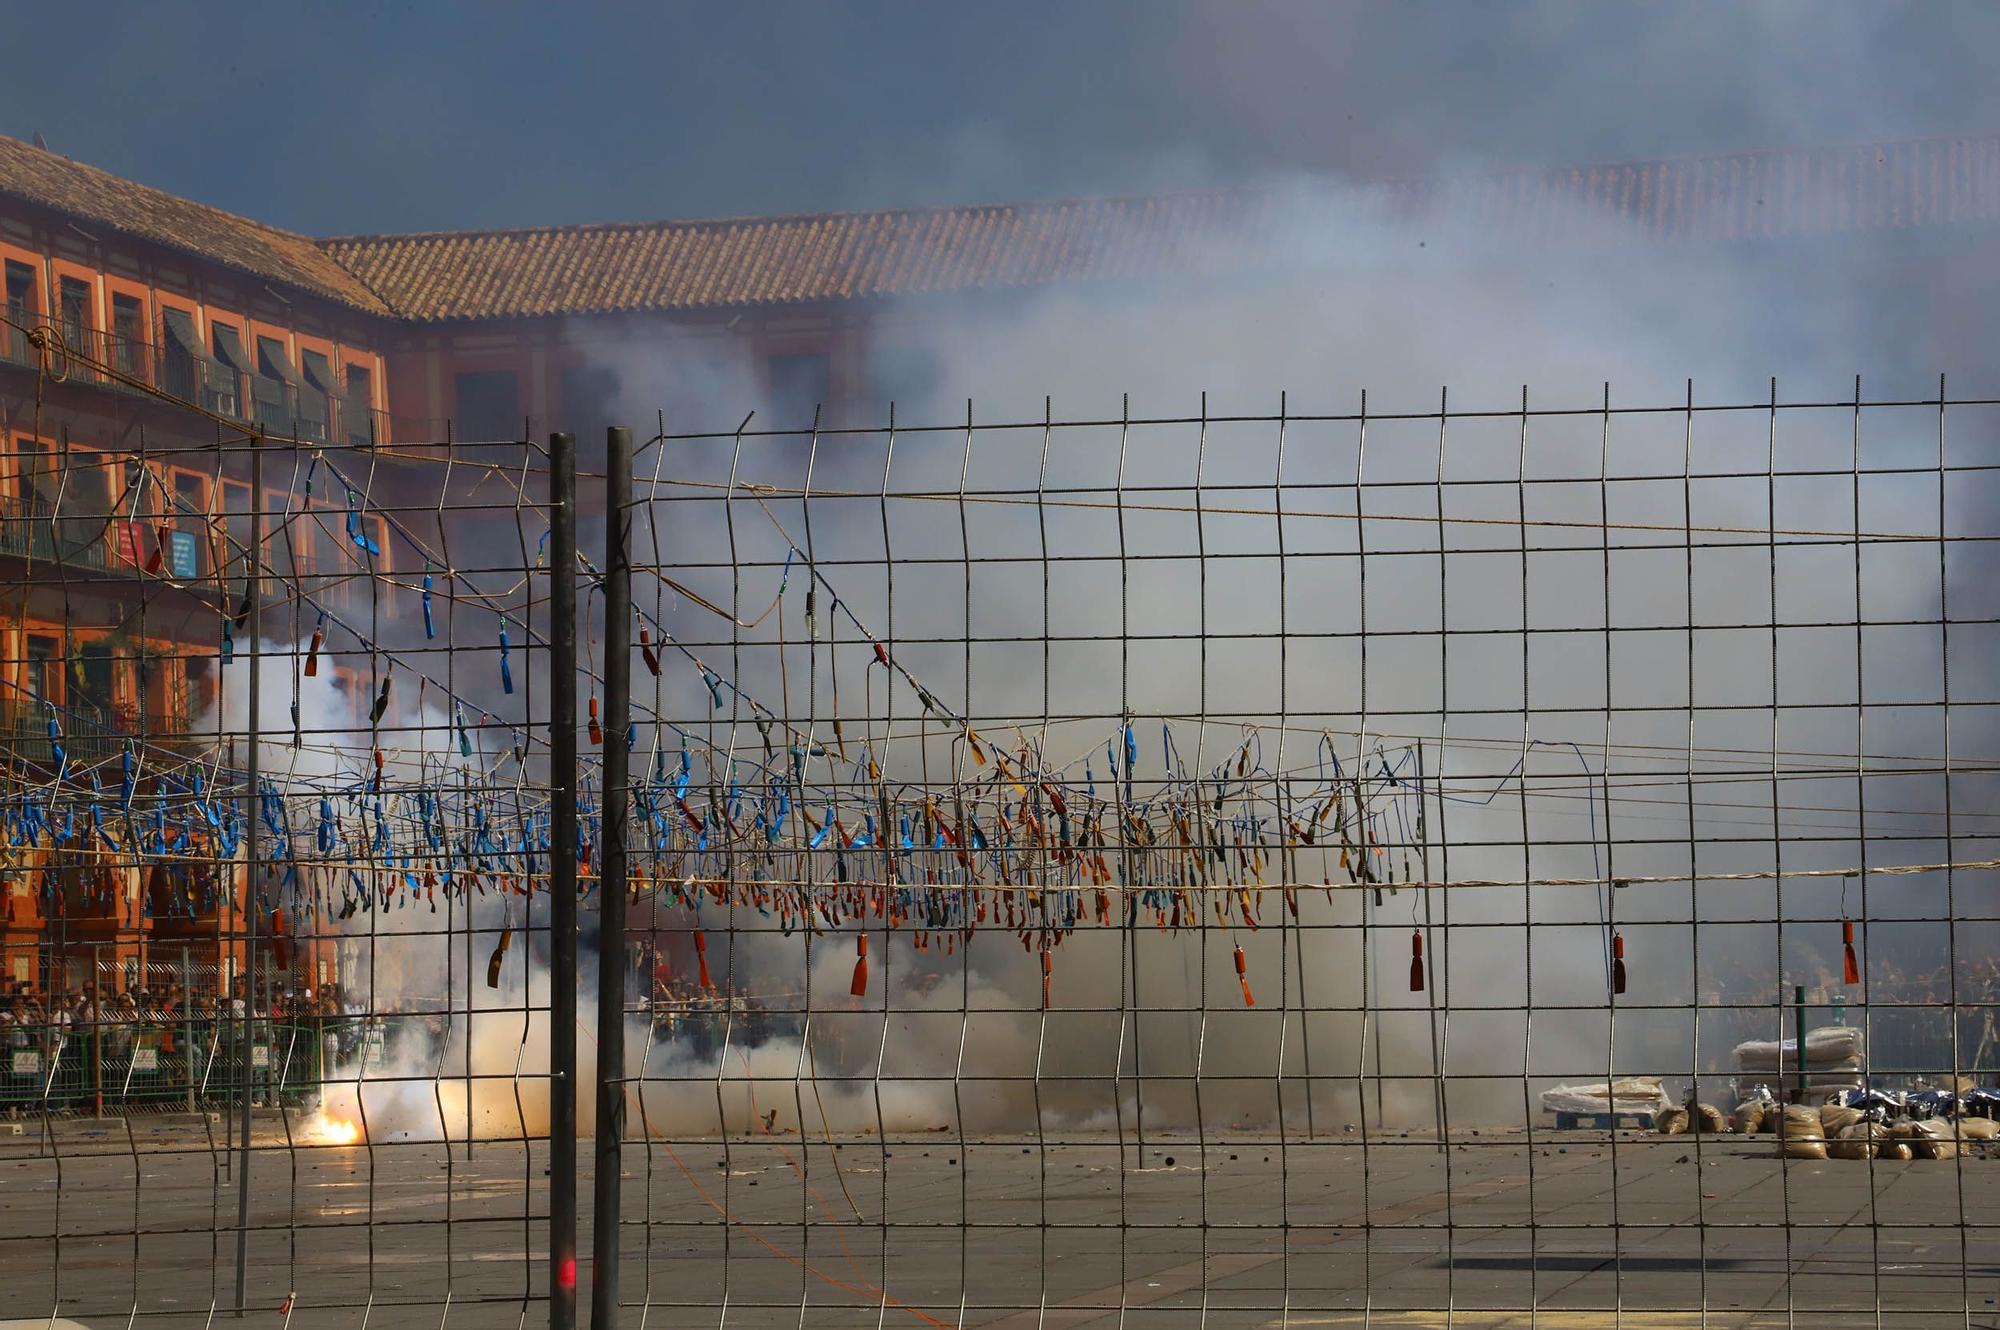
(799, 385)
(88, 500)
(357, 407)
(95, 696)
(589, 404)
(76, 329)
(316, 395)
(42, 681)
(37, 485)
(128, 334)
(489, 405)
(274, 384)
(36, 479)
(186, 369)
(225, 388)
(21, 309)
(191, 530)
(903, 374)
(234, 557)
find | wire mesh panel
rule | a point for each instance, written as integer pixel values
(1281, 870)
(274, 997)
(1459, 867)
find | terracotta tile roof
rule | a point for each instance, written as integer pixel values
(685, 266)
(93, 196)
(667, 266)
(1737, 196)
(697, 265)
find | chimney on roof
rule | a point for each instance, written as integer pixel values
(41, 142)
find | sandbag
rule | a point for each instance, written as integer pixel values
(1932, 1138)
(1707, 1119)
(1837, 1119)
(1896, 1150)
(1802, 1134)
(1978, 1129)
(1859, 1140)
(1670, 1121)
(1750, 1117)
(1633, 1094)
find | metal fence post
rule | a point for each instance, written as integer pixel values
(252, 773)
(96, 1030)
(562, 882)
(187, 1023)
(1799, 1024)
(611, 868)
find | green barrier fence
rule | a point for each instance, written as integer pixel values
(161, 1066)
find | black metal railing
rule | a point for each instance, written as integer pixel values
(276, 405)
(30, 527)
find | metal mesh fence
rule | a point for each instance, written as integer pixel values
(1247, 870)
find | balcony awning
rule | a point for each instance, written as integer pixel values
(319, 373)
(229, 348)
(274, 362)
(180, 327)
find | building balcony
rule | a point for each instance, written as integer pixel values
(88, 733)
(280, 408)
(30, 529)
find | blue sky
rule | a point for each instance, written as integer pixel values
(369, 116)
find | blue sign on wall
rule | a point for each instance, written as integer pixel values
(180, 548)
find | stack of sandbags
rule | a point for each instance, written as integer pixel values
(1944, 1138)
(1833, 1058)
(1802, 1135)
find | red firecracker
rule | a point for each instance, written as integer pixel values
(1416, 961)
(1617, 962)
(859, 988)
(646, 650)
(1850, 969)
(1243, 977)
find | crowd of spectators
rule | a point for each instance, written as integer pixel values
(678, 1011)
(53, 1043)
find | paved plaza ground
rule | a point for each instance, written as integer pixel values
(1234, 1231)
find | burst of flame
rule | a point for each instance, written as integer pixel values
(332, 1129)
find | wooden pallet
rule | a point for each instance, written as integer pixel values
(1603, 1121)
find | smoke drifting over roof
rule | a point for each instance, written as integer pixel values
(531, 117)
